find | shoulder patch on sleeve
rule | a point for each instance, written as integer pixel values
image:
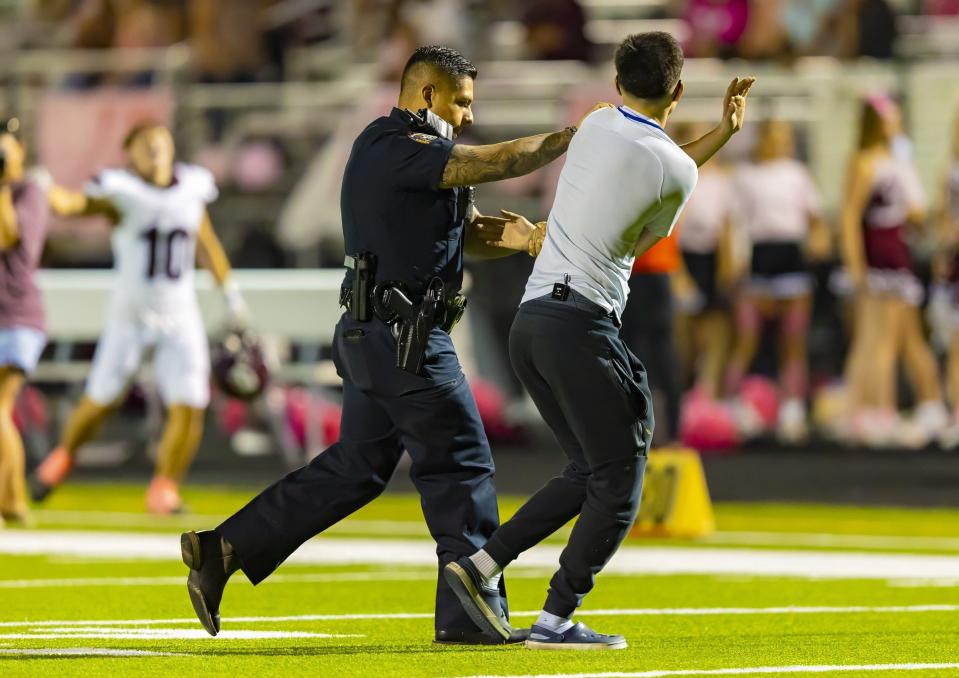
(421, 138)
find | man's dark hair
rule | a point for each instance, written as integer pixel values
(444, 59)
(648, 64)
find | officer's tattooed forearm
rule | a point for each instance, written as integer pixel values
(468, 165)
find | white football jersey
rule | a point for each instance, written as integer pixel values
(154, 245)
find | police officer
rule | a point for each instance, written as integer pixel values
(407, 222)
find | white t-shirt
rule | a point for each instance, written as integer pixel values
(775, 200)
(623, 175)
(710, 204)
(154, 245)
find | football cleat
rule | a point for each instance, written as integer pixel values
(51, 472)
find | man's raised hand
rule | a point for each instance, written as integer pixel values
(511, 231)
(734, 104)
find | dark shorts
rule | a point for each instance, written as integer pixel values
(702, 269)
(779, 270)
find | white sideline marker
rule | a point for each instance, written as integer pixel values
(752, 670)
(648, 560)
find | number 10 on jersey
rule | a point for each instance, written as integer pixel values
(167, 252)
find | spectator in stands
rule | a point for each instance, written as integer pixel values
(227, 39)
(805, 24)
(125, 24)
(765, 34)
(779, 212)
(880, 207)
(23, 223)
(407, 24)
(866, 28)
(556, 30)
(715, 26)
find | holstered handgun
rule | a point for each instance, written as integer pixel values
(411, 323)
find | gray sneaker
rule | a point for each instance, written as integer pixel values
(580, 637)
(480, 601)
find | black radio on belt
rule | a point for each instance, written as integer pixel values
(364, 278)
(561, 290)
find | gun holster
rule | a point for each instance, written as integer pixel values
(411, 322)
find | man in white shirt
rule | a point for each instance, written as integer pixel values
(621, 190)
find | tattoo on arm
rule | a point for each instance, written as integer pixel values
(468, 165)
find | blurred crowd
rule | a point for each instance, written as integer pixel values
(764, 315)
(243, 40)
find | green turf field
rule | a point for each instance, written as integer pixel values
(876, 589)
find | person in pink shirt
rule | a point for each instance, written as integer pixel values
(23, 223)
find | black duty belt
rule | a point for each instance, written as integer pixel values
(411, 317)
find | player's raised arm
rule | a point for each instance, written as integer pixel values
(734, 113)
(69, 203)
(212, 257)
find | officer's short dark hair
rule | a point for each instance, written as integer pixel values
(648, 64)
(444, 59)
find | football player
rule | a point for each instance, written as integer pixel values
(158, 208)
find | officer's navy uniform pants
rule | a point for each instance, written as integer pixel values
(385, 410)
(593, 393)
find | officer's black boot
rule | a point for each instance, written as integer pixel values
(211, 561)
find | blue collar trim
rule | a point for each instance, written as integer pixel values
(637, 118)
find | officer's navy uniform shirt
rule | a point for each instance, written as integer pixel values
(392, 205)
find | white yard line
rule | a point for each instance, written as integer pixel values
(411, 528)
(103, 633)
(625, 612)
(664, 560)
(87, 652)
(180, 580)
(752, 670)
